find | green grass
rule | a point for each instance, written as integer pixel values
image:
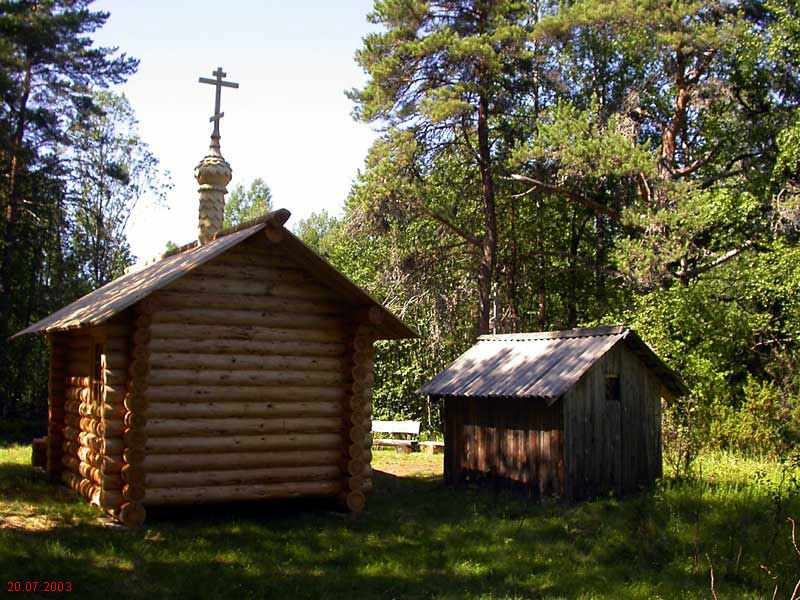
(417, 539)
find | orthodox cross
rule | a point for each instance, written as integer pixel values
(218, 74)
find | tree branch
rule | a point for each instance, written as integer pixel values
(584, 201)
(696, 164)
(452, 227)
(644, 189)
(730, 254)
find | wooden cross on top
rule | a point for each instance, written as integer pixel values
(218, 74)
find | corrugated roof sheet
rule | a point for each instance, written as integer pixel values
(538, 365)
(125, 291)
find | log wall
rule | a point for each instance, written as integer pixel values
(357, 411)
(257, 386)
(56, 399)
(132, 357)
(90, 435)
(506, 442)
(613, 445)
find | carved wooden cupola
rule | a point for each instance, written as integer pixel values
(213, 173)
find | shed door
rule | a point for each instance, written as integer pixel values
(613, 433)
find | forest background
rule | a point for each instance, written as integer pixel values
(541, 165)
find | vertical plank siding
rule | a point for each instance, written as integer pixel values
(582, 446)
(613, 447)
(511, 442)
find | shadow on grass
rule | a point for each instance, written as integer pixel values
(416, 539)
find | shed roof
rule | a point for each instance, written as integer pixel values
(540, 365)
(124, 291)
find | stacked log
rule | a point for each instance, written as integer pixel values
(55, 403)
(87, 462)
(247, 383)
(135, 367)
(358, 414)
(108, 500)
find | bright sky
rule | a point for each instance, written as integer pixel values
(289, 122)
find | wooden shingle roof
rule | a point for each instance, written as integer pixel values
(540, 365)
(124, 291)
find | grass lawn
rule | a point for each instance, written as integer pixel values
(417, 539)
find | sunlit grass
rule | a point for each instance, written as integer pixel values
(417, 539)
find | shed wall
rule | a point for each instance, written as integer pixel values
(510, 441)
(612, 446)
(250, 385)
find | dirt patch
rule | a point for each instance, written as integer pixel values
(415, 464)
(26, 519)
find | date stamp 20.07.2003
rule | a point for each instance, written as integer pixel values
(39, 586)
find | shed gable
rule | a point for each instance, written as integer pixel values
(613, 445)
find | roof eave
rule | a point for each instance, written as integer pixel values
(550, 400)
(669, 378)
(390, 327)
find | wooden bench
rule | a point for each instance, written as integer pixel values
(432, 447)
(408, 429)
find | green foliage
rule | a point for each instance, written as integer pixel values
(643, 161)
(442, 79)
(245, 204)
(680, 437)
(319, 231)
(49, 68)
(760, 425)
(585, 144)
(733, 335)
(456, 50)
(111, 169)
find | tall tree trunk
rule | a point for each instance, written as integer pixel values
(677, 123)
(542, 287)
(572, 296)
(513, 296)
(489, 243)
(600, 260)
(10, 237)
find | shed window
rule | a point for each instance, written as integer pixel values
(613, 389)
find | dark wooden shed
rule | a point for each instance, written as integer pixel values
(571, 414)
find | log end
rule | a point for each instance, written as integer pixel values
(273, 234)
(353, 501)
(133, 475)
(133, 493)
(133, 456)
(132, 514)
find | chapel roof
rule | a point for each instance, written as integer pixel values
(136, 284)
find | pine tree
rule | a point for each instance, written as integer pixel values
(48, 65)
(446, 72)
(246, 204)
